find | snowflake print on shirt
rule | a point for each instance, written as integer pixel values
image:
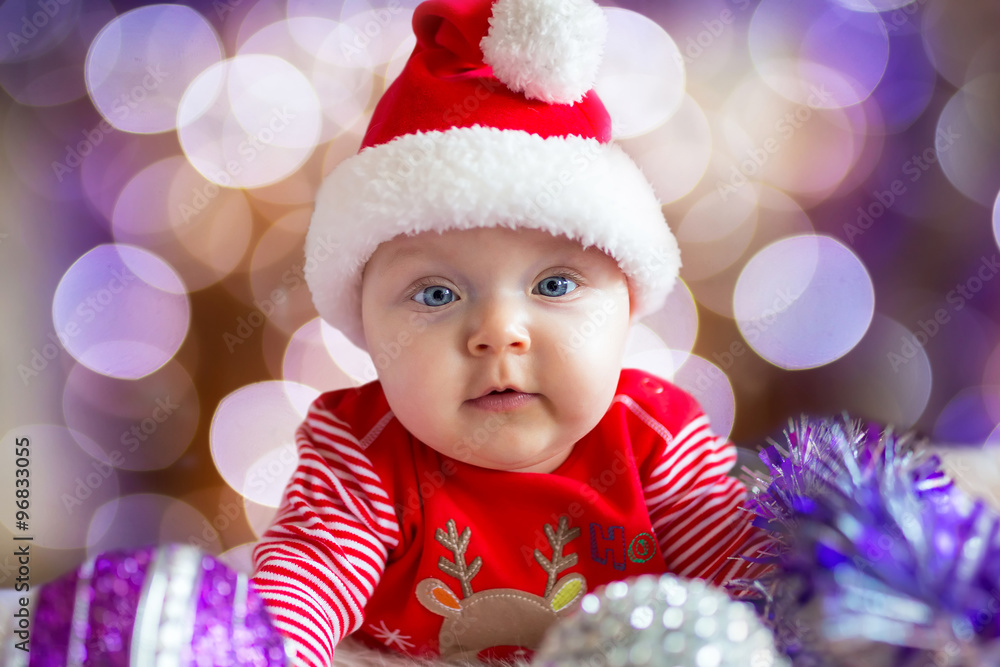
(391, 638)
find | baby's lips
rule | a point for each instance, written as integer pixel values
(499, 388)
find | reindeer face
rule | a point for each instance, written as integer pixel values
(499, 618)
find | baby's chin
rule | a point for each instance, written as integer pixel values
(512, 459)
(543, 465)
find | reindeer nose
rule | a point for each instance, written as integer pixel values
(505, 654)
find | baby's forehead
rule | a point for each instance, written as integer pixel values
(456, 243)
(486, 251)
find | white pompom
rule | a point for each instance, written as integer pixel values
(548, 49)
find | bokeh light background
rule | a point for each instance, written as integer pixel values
(830, 167)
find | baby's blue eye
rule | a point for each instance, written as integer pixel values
(435, 295)
(558, 285)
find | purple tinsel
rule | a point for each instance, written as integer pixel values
(879, 558)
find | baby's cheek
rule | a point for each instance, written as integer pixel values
(398, 344)
(428, 368)
(587, 362)
(427, 358)
(600, 334)
(414, 407)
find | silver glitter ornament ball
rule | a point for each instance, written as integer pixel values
(660, 621)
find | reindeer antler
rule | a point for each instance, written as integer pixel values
(559, 562)
(457, 545)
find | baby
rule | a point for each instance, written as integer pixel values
(490, 247)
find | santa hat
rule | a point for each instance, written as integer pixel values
(492, 122)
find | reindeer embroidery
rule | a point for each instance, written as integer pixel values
(499, 618)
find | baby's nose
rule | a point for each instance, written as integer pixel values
(502, 325)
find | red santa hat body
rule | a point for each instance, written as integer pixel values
(492, 122)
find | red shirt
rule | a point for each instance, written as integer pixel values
(381, 535)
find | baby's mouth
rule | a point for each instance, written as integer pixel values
(498, 390)
(502, 400)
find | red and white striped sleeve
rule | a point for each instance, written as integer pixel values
(319, 562)
(696, 508)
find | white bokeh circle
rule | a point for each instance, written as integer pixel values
(121, 311)
(249, 121)
(804, 301)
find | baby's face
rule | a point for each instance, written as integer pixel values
(449, 316)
